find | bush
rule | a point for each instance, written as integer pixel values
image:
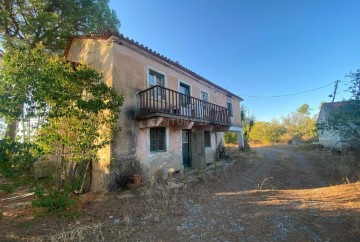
(17, 158)
(53, 200)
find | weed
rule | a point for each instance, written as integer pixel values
(91, 232)
(52, 200)
(8, 188)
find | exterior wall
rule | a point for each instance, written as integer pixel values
(99, 55)
(329, 138)
(152, 162)
(210, 151)
(127, 71)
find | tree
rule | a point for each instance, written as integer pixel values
(299, 124)
(346, 117)
(247, 122)
(51, 22)
(230, 138)
(78, 111)
(267, 132)
(27, 23)
(354, 89)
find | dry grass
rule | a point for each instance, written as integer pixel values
(345, 166)
(344, 197)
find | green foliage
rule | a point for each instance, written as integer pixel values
(354, 88)
(247, 123)
(346, 116)
(297, 125)
(53, 200)
(267, 132)
(8, 188)
(51, 21)
(76, 112)
(16, 159)
(69, 111)
(230, 138)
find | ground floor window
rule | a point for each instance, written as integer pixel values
(207, 138)
(157, 139)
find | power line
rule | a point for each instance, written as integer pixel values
(291, 94)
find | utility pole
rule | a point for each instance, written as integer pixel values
(335, 89)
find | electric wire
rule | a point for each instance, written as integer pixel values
(291, 94)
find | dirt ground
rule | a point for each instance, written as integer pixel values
(272, 194)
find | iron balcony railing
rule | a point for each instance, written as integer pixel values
(158, 100)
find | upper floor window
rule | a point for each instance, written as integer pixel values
(204, 96)
(156, 78)
(229, 106)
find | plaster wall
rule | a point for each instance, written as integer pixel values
(127, 71)
(139, 65)
(98, 54)
(329, 138)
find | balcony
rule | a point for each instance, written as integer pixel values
(158, 101)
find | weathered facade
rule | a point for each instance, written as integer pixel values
(171, 117)
(338, 137)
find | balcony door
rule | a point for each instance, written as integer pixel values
(184, 99)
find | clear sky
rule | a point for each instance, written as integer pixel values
(254, 47)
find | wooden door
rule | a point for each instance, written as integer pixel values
(197, 150)
(186, 148)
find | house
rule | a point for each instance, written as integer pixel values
(171, 119)
(337, 125)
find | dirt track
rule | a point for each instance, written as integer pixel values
(283, 196)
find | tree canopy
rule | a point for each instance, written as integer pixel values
(66, 111)
(51, 22)
(296, 125)
(346, 117)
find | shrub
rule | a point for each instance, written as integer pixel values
(53, 200)
(17, 158)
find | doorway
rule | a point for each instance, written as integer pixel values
(184, 99)
(186, 148)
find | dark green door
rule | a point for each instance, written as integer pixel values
(186, 148)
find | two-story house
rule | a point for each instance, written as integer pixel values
(171, 118)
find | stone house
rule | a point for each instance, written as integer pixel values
(340, 138)
(171, 118)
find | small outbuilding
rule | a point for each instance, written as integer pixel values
(338, 125)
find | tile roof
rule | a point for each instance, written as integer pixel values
(339, 107)
(122, 39)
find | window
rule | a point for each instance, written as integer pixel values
(159, 80)
(207, 138)
(157, 139)
(204, 96)
(229, 106)
(156, 79)
(184, 99)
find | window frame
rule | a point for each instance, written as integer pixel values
(152, 72)
(201, 96)
(229, 107)
(207, 140)
(159, 95)
(156, 147)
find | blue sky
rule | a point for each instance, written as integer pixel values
(254, 47)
